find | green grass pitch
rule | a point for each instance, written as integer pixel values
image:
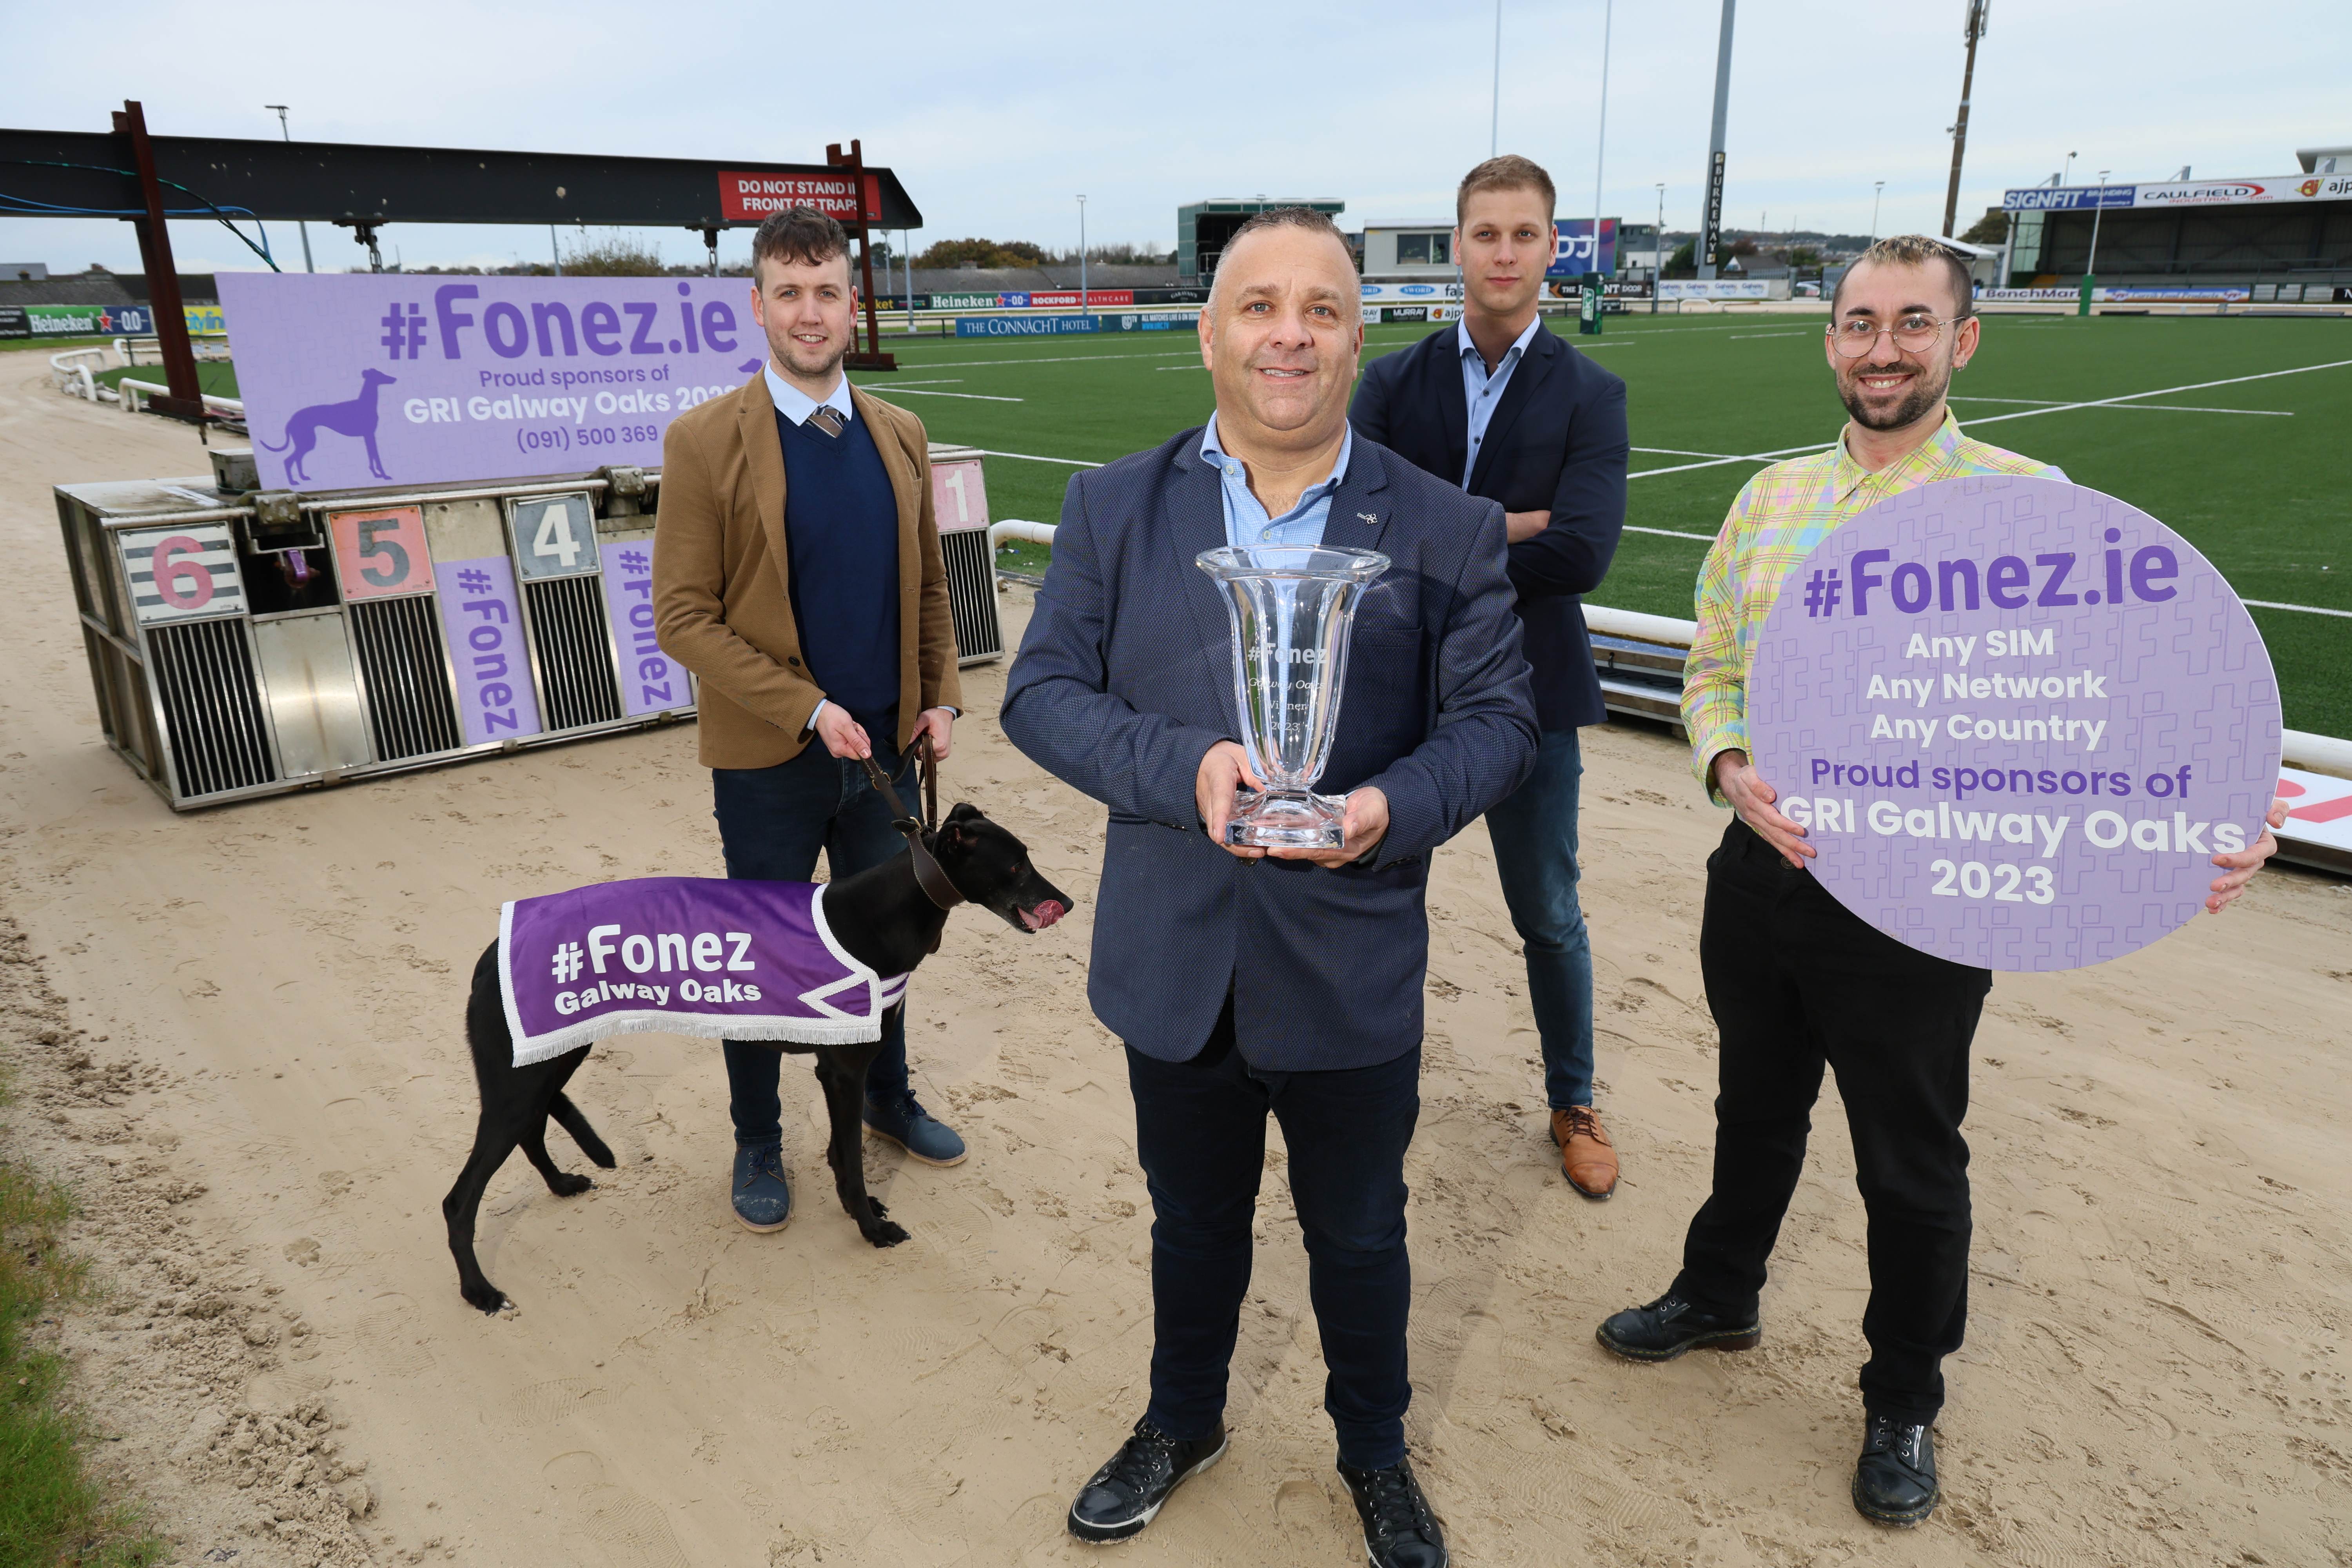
(2250, 470)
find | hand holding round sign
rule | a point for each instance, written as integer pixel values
(2018, 719)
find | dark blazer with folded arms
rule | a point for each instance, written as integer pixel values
(1556, 443)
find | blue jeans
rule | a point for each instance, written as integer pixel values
(1200, 1129)
(1534, 834)
(771, 823)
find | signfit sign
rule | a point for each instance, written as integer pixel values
(2182, 194)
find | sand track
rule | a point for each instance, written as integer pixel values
(237, 1032)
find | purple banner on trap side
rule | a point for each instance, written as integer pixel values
(369, 379)
(651, 680)
(482, 618)
(2019, 718)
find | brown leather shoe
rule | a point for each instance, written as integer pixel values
(1587, 1158)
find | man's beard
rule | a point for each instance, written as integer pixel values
(1927, 387)
(792, 356)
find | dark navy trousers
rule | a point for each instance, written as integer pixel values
(1201, 1134)
(771, 823)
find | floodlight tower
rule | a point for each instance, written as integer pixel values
(1972, 29)
(303, 226)
(1710, 216)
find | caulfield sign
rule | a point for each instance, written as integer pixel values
(2017, 718)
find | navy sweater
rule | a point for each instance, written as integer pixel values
(841, 531)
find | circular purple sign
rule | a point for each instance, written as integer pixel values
(2018, 719)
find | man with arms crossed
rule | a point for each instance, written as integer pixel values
(797, 573)
(1244, 984)
(1500, 406)
(1793, 978)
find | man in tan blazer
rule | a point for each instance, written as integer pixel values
(797, 573)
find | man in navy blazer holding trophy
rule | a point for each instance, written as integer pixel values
(1246, 979)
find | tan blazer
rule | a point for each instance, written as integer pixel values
(721, 605)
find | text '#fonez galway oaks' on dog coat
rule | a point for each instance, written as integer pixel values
(684, 955)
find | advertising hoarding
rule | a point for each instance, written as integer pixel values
(382, 378)
(747, 198)
(1572, 250)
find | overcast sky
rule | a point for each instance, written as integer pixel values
(994, 118)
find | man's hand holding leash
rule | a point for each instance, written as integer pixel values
(846, 738)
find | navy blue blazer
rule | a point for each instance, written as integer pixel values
(1557, 442)
(1124, 681)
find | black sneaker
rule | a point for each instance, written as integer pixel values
(1670, 1325)
(1121, 1498)
(1400, 1529)
(1895, 1480)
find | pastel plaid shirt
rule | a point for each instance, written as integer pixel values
(1774, 523)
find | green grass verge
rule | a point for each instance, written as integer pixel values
(50, 345)
(52, 1512)
(2259, 492)
(215, 376)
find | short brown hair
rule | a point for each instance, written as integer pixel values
(1917, 250)
(1508, 172)
(798, 234)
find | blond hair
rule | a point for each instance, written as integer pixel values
(1923, 251)
(1508, 172)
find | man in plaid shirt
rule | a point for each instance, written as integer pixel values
(1794, 979)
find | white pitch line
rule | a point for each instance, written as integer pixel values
(1671, 534)
(1034, 457)
(1180, 367)
(2136, 407)
(1750, 458)
(975, 396)
(935, 381)
(1736, 336)
(2306, 609)
(2161, 392)
(1679, 452)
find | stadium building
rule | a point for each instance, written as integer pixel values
(2269, 239)
(1202, 228)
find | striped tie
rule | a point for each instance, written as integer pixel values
(828, 420)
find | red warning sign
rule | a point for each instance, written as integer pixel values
(746, 197)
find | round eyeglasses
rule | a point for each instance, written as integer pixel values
(1912, 332)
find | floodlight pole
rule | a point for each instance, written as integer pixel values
(1495, 125)
(1877, 194)
(2091, 269)
(1972, 30)
(305, 227)
(1083, 296)
(555, 248)
(1658, 250)
(1710, 221)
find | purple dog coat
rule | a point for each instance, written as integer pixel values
(683, 956)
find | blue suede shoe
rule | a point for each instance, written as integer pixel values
(763, 1199)
(901, 1119)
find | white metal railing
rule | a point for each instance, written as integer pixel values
(135, 394)
(207, 345)
(70, 374)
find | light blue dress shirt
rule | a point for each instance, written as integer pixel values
(1245, 519)
(797, 405)
(1482, 391)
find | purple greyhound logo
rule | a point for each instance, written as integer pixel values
(356, 417)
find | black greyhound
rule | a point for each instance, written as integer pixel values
(886, 918)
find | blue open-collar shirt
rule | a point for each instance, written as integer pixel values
(1246, 521)
(1481, 390)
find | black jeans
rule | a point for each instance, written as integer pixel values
(1200, 1130)
(1795, 979)
(771, 823)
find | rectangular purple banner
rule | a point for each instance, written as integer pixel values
(650, 679)
(369, 379)
(483, 621)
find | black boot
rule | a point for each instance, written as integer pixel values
(1670, 1325)
(1121, 1498)
(1400, 1530)
(1894, 1480)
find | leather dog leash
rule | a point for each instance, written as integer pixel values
(928, 875)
